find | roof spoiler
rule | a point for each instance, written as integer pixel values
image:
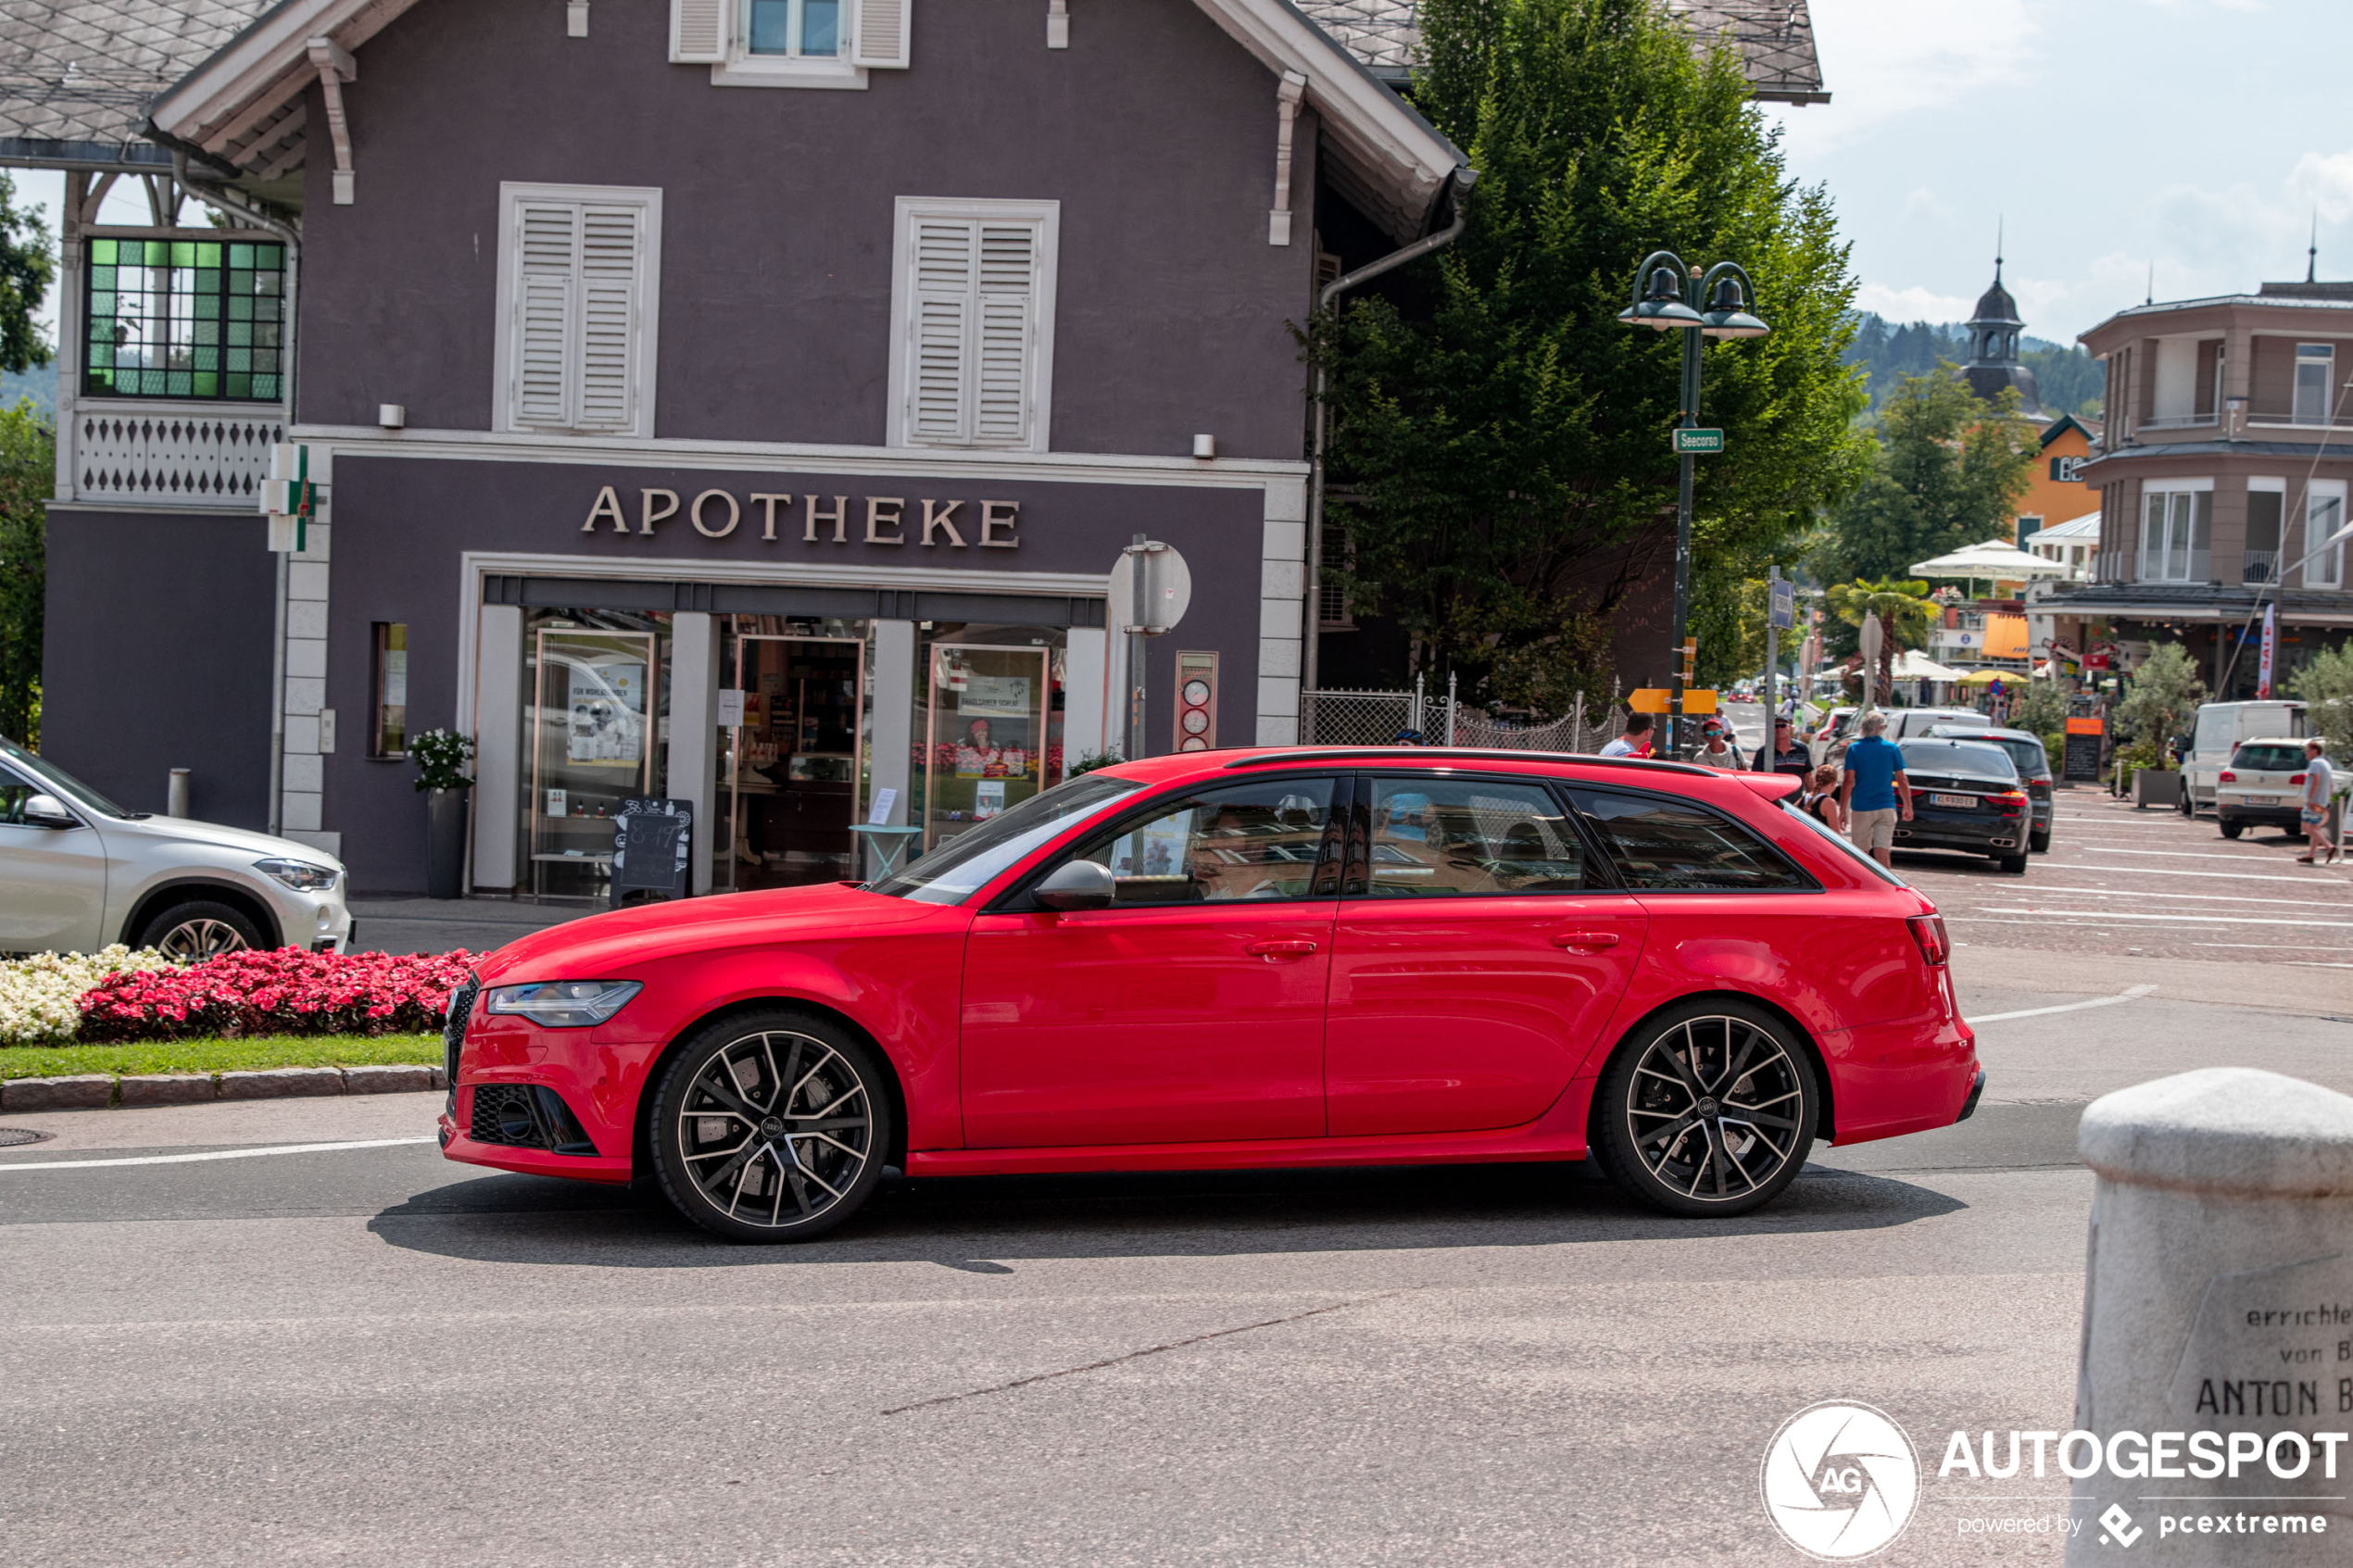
(1772, 786)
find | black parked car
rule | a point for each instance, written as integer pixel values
(2033, 766)
(1966, 796)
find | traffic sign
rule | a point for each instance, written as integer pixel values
(1782, 612)
(1699, 440)
(1661, 699)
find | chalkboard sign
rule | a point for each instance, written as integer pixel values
(2081, 763)
(653, 847)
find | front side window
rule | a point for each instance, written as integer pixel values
(795, 29)
(184, 318)
(1441, 837)
(1254, 842)
(966, 863)
(2314, 363)
(50, 779)
(1670, 846)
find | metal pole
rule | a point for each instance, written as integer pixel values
(1675, 736)
(1772, 660)
(1450, 708)
(1136, 648)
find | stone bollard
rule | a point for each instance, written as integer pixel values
(2217, 1363)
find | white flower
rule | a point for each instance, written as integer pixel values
(41, 995)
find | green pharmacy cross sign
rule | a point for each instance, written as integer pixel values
(1699, 441)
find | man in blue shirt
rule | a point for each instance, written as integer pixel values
(1875, 791)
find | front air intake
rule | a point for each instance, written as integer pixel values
(526, 1116)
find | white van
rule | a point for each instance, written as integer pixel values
(2221, 727)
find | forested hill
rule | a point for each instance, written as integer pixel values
(2069, 378)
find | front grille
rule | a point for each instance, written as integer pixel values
(453, 1033)
(526, 1116)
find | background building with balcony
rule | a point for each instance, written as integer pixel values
(2225, 461)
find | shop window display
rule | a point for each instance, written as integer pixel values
(600, 684)
(990, 727)
(792, 769)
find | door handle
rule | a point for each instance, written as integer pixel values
(1585, 941)
(1281, 948)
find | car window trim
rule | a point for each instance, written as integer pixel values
(1360, 849)
(1812, 882)
(1015, 898)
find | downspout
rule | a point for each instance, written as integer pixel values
(1462, 180)
(217, 196)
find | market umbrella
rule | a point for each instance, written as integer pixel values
(1992, 560)
(1912, 665)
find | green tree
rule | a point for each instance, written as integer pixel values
(27, 477)
(2325, 682)
(27, 265)
(1503, 438)
(2166, 691)
(1903, 610)
(2042, 707)
(1947, 472)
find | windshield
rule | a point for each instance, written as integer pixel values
(2026, 756)
(1972, 760)
(1816, 825)
(60, 782)
(2269, 759)
(966, 863)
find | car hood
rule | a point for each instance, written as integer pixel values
(609, 945)
(183, 829)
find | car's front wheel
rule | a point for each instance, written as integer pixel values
(201, 929)
(771, 1126)
(1709, 1109)
(2231, 830)
(2040, 843)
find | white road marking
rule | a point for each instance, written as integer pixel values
(2271, 899)
(213, 1154)
(2190, 855)
(2101, 916)
(2107, 870)
(2130, 994)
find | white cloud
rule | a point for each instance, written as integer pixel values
(1883, 63)
(1912, 303)
(1924, 203)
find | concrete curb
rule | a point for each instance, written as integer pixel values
(101, 1091)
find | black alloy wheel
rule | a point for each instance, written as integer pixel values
(1708, 1110)
(2231, 830)
(2039, 843)
(771, 1126)
(202, 929)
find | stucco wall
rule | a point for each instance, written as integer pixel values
(1154, 130)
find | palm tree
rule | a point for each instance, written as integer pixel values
(1903, 608)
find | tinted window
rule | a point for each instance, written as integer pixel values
(965, 863)
(55, 780)
(13, 793)
(1255, 841)
(1441, 837)
(2026, 756)
(1975, 760)
(2269, 759)
(1670, 845)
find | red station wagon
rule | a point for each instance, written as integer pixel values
(1231, 958)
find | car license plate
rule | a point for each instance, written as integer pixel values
(1964, 801)
(2261, 799)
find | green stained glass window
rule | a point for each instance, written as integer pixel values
(155, 314)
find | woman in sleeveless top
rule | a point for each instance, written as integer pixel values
(1821, 799)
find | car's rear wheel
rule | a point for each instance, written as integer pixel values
(2231, 830)
(199, 929)
(771, 1126)
(1708, 1110)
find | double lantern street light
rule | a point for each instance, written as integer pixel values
(1661, 285)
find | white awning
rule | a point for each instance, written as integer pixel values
(1994, 560)
(1913, 665)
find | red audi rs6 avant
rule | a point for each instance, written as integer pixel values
(1226, 958)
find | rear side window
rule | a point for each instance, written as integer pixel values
(1445, 837)
(1665, 846)
(2269, 759)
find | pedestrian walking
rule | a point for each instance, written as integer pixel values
(1820, 799)
(1714, 752)
(1635, 742)
(2319, 783)
(1875, 792)
(1784, 753)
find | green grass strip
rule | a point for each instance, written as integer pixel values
(220, 1056)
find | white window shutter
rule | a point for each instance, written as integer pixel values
(1008, 290)
(881, 33)
(547, 266)
(698, 31)
(939, 353)
(611, 267)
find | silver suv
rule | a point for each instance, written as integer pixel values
(78, 872)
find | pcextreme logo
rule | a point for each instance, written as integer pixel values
(1840, 1481)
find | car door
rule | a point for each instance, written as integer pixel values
(1479, 952)
(53, 880)
(1191, 1009)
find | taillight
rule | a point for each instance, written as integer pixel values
(2296, 778)
(1928, 931)
(2010, 800)
(2040, 783)
(2226, 776)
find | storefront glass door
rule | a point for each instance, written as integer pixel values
(791, 769)
(592, 745)
(987, 740)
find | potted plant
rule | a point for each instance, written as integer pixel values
(441, 757)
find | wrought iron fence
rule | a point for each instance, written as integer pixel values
(1368, 717)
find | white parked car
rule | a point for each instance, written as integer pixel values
(2263, 786)
(2220, 728)
(77, 872)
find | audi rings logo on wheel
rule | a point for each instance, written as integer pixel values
(1840, 1481)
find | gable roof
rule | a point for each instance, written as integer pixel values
(2064, 423)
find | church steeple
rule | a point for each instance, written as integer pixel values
(1993, 346)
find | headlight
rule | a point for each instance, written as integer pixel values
(564, 1004)
(300, 875)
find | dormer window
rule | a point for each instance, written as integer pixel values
(801, 29)
(791, 42)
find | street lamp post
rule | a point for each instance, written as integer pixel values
(1660, 286)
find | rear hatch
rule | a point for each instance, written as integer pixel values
(2263, 775)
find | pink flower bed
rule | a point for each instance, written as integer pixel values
(285, 992)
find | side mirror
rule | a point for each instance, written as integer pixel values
(1079, 885)
(47, 811)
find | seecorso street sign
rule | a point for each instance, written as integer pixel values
(1699, 441)
(1781, 612)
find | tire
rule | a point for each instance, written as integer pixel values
(200, 929)
(2038, 842)
(1643, 1109)
(2188, 807)
(763, 1180)
(2231, 830)
(2014, 865)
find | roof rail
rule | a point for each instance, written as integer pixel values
(1494, 754)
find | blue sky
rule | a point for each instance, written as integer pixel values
(2198, 134)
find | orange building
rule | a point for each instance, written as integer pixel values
(2056, 494)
